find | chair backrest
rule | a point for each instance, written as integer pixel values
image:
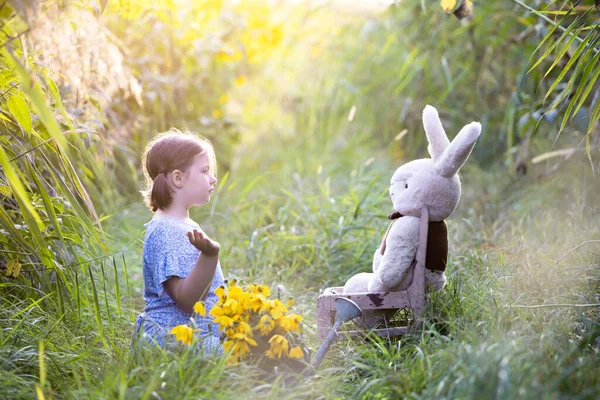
(416, 291)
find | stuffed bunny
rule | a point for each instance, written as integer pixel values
(431, 182)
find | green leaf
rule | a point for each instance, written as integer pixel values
(46, 199)
(5, 118)
(558, 57)
(28, 212)
(70, 170)
(117, 289)
(567, 67)
(18, 189)
(55, 93)
(96, 303)
(5, 191)
(577, 74)
(14, 267)
(58, 179)
(585, 87)
(7, 224)
(548, 36)
(20, 111)
(35, 94)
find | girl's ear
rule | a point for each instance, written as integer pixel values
(458, 151)
(438, 140)
(177, 178)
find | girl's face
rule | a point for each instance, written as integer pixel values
(198, 183)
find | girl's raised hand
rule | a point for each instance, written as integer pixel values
(202, 242)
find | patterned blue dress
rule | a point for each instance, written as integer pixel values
(167, 253)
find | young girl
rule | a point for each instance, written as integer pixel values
(180, 262)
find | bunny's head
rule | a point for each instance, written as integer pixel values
(434, 182)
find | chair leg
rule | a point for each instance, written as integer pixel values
(417, 324)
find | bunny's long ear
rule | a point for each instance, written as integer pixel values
(438, 140)
(458, 151)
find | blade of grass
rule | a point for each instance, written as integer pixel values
(112, 328)
(117, 289)
(96, 304)
(589, 77)
(569, 64)
(22, 311)
(561, 52)
(18, 189)
(127, 284)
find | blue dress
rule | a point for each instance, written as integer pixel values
(167, 253)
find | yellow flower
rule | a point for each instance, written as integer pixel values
(209, 10)
(279, 346)
(296, 352)
(240, 80)
(199, 309)
(290, 302)
(264, 290)
(220, 292)
(265, 325)
(238, 347)
(224, 321)
(217, 114)
(290, 322)
(244, 338)
(231, 347)
(242, 348)
(223, 99)
(216, 311)
(256, 12)
(243, 327)
(296, 319)
(277, 309)
(447, 5)
(255, 302)
(228, 55)
(183, 333)
(236, 292)
(231, 307)
(237, 312)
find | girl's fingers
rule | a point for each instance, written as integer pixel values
(199, 239)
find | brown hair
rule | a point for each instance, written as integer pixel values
(169, 151)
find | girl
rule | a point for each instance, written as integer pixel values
(180, 262)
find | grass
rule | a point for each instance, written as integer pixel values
(306, 227)
(477, 342)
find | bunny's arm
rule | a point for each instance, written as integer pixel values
(377, 259)
(401, 247)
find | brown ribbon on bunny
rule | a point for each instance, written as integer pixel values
(437, 243)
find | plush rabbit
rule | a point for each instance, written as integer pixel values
(430, 182)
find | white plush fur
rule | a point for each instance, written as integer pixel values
(432, 182)
(403, 238)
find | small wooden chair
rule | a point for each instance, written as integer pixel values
(413, 298)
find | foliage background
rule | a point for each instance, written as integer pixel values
(311, 106)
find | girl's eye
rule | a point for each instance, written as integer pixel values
(406, 186)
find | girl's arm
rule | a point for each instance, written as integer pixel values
(187, 291)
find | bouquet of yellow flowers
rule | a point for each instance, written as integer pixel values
(253, 324)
